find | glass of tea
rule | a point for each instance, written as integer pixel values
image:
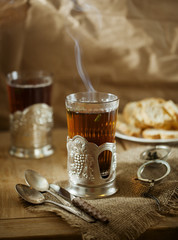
(91, 146)
(31, 114)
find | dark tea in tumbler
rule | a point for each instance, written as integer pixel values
(31, 114)
(91, 121)
(26, 92)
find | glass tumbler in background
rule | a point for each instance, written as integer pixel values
(91, 147)
(31, 114)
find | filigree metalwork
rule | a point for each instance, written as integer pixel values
(31, 128)
(83, 166)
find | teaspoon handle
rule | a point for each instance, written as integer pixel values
(74, 211)
(63, 201)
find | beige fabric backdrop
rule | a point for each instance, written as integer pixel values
(129, 48)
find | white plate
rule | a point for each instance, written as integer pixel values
(144, 140)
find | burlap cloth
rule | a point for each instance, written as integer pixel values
(130, 214)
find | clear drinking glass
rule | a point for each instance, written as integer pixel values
(91, 121)
(31, 114)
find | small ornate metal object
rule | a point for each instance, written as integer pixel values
(31, 131)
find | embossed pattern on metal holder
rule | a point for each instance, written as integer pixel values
(84, 171)
(31, 132)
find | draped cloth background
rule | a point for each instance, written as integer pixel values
(127, 46)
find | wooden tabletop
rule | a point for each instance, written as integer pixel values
(18, 223)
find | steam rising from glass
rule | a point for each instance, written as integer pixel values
(85, 7)
(84, 76)
(80, 68)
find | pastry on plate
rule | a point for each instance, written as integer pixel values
(153, 118)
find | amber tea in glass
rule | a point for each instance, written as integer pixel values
(92, 116)
(98, 128)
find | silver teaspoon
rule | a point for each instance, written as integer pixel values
(33, 196)
(40, 183)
